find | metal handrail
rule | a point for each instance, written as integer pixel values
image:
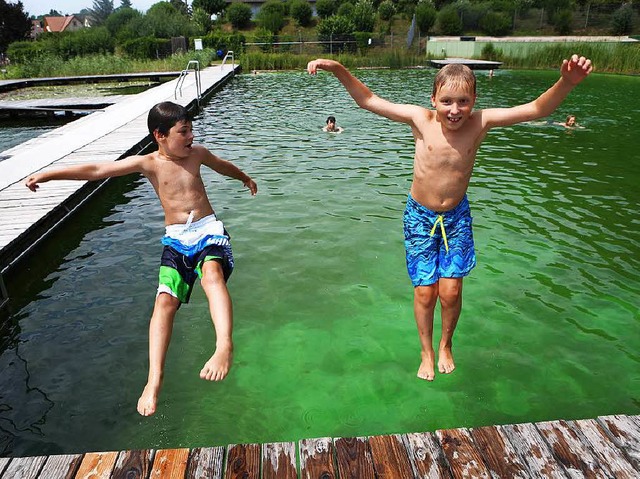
(233, 60)
(183, 75)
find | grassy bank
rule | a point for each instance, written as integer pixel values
(621, 58)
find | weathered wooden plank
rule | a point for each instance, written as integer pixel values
(170, 464)
(625, 433)
(425, 455)
(206, 462)
(133, 464)
(604, 449)
(24, 467)
(498, 453)
(61, 467)
(569, 450)
(243, 461)
(463, 458)
(3, 463)
(279, 461)
(354, 458)
(316, 458)
(97, 465)
(531, 447)
(390, 458)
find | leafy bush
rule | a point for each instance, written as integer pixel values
(449, 21)
(266, 37)
(21, 52)
(496, 24)
(120, 18)
(426, 15)
(386, 10)
(364, 16)
(489, 52)
(563, 22)
(336, 29)
(146, 47)
(301, 12)
(271, 16)
(622, 20)
(326, 8)
(346, 9)
(224, 41)
(239, 15)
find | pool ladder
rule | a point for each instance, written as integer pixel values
(183, 74)
(233, 60)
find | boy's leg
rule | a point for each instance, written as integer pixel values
(215, 288)
(450, 293)
(424, 302)
(160, 328)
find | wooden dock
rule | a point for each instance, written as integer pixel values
(607, 447)
(109, 134)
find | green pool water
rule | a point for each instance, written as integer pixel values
(325, 339)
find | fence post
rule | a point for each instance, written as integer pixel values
(331, 43)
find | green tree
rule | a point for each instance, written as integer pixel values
(120, 19)
(201, 20)
(271, 16)
(301, 12)
(426, 15)
(449, 21)
(164, 21)
(125, 4)
(386, 10)
(496, 24)
(212, 7)
(101, 11)
(181, 6)
(239, 15)
(346, 9)
(326, 8)
(14, 24)
(364, 16)
(622, 20)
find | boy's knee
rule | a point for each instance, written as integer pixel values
(212, 274)
(451, 293)
(426, 295)
(167, 301)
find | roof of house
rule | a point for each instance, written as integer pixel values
(58, 24)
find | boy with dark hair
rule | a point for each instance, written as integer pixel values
(195, 244)
(437, 219)
(331, 125)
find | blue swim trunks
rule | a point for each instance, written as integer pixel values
(438, 245)
(187, 248)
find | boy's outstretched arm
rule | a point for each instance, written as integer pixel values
(362, 95)
(89, 171)
(227, 168)
(573, 71)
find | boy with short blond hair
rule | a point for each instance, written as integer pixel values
(196, 243)
(437, 219)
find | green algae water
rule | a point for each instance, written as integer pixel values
(325, 339)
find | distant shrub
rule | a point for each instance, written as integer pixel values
(326, 8)
(496, 24)
(622, 20)
(346, 9)
(301, 12)
(239, 15)
(426, 15)
(490, 52)
(271, 16)
(386, 10)
(146, 47)
(563, 22)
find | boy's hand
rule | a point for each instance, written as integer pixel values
(312, 67)
(32, 183)
(320, 63)
(576, 69)
(249, 183)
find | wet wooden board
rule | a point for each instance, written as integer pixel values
(602, 447)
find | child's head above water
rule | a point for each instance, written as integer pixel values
(571, 120)
(163, 116)
(455, 75)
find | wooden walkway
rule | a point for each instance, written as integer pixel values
(116, 131)
(50, 106)
(607, 447)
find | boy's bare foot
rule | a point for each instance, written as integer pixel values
(148, 400)
(218, 366)
(445, 360)
(427, 368)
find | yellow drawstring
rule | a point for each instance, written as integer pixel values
(440, 220)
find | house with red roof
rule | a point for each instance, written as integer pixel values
(68, 23)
